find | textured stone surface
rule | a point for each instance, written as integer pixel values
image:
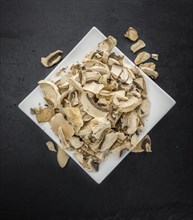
(143, 186)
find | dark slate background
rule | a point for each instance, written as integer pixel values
(156, 186)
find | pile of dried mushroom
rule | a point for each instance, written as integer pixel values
(97, 108)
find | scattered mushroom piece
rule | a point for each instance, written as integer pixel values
(137, 46)
(62, 157)
(44, 115)
(130, 105)
(92, 76)
(107, 44)
(143, 145)
(110, 139)
(133, 122)
(134, 140)
(59, 121)
(79, 157)
(75, 142)
(51, 92)
(64, 145)
(51, 146)
(131, 34)
(52, 58)
(74, 117)
(116, 70)
(154, 56)
(141, 58)
(150, 72)
(145, 107)
(149, 65)
(90, 108)
(93, 87)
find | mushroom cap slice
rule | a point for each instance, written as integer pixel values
(51, 146)
(150, 65)
(74, 117)
(59, 121)
(62, 157)
(89, 108)
(155, 56)
(139, 82)
(92, 76)
(112, 61)
(134, 139)
(50, 92)
(93, 87)
(52, 58)
(143, 145)
(107, 44)
(64, 145)
(129, 105)
(145, 107)
(137, 46)
(93, 165)
(79, 157)
(150, 72)
(44, 115)
(100, 69)
(110, 139)
(133, 122)
(131, 34)
(116, 70)
(75, 142)
(141, 58)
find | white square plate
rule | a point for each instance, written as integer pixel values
(161, 102)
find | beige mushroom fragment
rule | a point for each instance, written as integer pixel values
(51, 92)
(74, 117)
(93, 87)
(44, 115)
(149, 65)
(141, 58)
(59, 121)
(143, 145)
(131, 34)
(150, 72)
(51, 146)
(90, 108)
(52, 58)
(155, 56)
(62, 157)
(107, 44)
(137, 46)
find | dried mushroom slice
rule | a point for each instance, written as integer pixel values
(132, 123)
(149, 65)
(62, 157)
(44, 115)
(143, 145)
(90, 108)
(137, 46)
(141, 58)
(59, 121)
(131, 34)
(155, 56)
(150, 72)
(51, 146)
(51, 92)
(52, 58)
(108, 44)
(74, 117)
(93, 87)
